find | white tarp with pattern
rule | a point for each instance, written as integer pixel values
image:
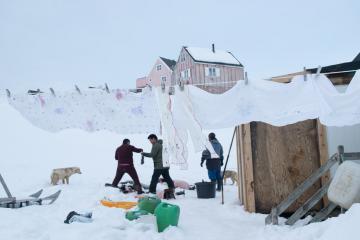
(119, 111)
(193, 109)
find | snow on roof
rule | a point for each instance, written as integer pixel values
(207, 55)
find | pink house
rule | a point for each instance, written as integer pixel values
(160, 72)
(213, 70)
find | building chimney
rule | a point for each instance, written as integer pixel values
(213, 47)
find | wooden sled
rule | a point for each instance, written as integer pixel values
(123, 205)
(33, 199)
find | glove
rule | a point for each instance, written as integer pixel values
(201, 164)
(142, 160)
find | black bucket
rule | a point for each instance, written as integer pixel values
(205, 189)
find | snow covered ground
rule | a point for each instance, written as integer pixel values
(28, 155)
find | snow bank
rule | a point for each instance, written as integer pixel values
(29, 154)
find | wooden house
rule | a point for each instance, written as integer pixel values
(161, 72)
(213, 70)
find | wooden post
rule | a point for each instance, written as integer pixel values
(323, 155)
(341, 160)
(5, 187)
(247, 168)
(239, 168)
(341, 153)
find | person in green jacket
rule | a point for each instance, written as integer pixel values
(159, 168)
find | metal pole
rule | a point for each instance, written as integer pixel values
(227, 159)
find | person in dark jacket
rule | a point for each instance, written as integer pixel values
(124, 156)
(213, 165)
(159, 168)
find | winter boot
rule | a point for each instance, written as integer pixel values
(219, 185)
(70, 215)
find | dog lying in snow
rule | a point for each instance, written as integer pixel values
(232, 175)
(63, 174)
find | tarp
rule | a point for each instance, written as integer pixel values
(119, 111)
(192, 110)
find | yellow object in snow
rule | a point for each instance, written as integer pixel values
(124, 205)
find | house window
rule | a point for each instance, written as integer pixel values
(182, 58)
(185, 74)
(212, 72)
(163, 79)
(158, 67)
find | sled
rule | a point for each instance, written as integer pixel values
(34, 199)
(123, 205)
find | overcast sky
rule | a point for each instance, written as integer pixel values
(60, 43)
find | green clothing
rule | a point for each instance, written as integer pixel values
(156, 154)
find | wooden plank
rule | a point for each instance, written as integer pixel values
(324, 213)
(352, 156)
(238, 161)
(323, 154)
(242, 166)
(7, 200)
(305, 185)
(283, 158)
(5, 187)
(308, 205)
(248, 169)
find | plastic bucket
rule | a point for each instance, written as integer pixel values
(205, 189)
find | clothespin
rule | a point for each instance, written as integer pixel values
(246, 79)
(107, 88)
(52, 92)
(171, 90)
(34, 92)
(77, 89)
(305, 76)
(8, 93)
(318, 70)
(163, 86)
(181, 85)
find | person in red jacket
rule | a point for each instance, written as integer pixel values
(124, 156)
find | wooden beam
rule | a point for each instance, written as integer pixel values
(5, 187)
(352, 156)
(324, 213)
(323, 155)
(239, 168)
(308, 205)
(7, 200)
(304, 186)
(248, 168)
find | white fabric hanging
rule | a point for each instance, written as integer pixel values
(174, 137)
(345, 107)
(274, 103)
(119, 111)
(200, 141)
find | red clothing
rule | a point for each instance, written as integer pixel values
(124, 154)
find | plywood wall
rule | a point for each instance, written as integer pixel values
(282, 158)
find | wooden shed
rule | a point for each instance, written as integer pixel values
(273, 161)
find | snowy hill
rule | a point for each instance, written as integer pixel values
(28, 155)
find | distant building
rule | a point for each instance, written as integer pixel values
(339, 74)
(160, 72)
(213, 70)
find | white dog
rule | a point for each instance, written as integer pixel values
(63, 174)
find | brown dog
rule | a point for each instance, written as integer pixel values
(232, 175)
(63, 174)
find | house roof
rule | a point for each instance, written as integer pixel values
(344, 70)
(205, 55)
(170, 63)
(341, 67)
